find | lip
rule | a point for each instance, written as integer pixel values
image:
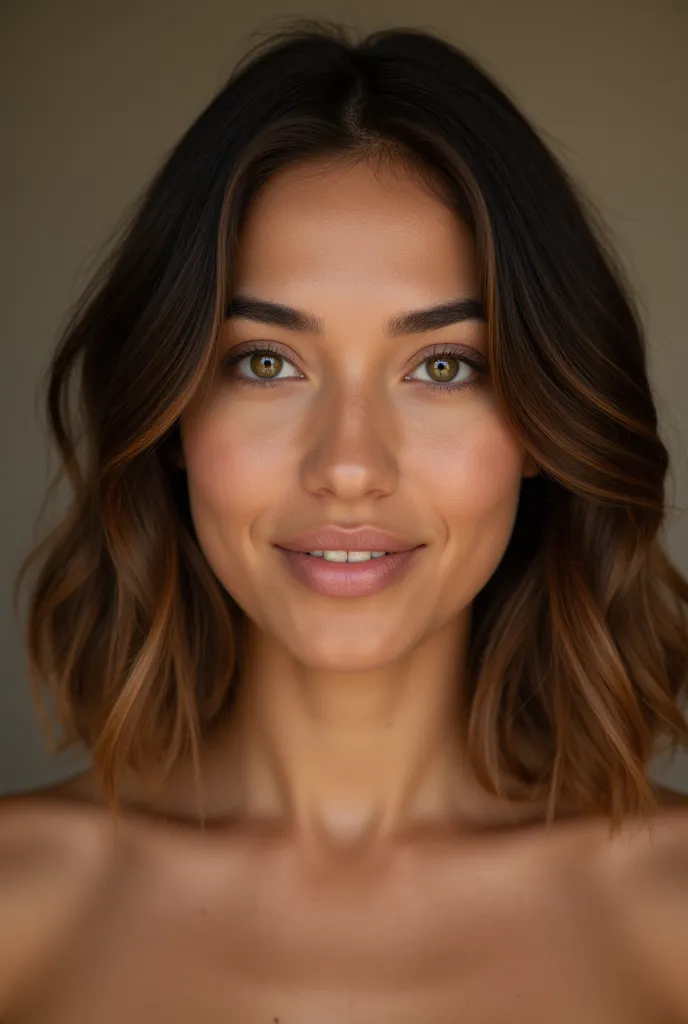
(348, 579)
(337, 538)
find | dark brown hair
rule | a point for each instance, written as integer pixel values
(579, 647)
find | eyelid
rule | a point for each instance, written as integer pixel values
(249, 348)
(475, 360)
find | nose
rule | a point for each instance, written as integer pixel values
(351, 448)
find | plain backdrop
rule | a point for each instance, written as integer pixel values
(94, 94)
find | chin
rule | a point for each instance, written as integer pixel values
(338, 651)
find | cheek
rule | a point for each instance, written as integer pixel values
(236, 469)
(473, 478)
(242, 467)
(473, 468)
(233, 458)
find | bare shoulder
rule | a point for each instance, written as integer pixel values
(54, 847)
(646, 873)
(654, 850)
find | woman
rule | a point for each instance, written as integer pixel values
(361, 607)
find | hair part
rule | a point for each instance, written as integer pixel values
(579, 645)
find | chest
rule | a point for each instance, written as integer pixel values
(481, 947)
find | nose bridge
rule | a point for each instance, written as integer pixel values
(350, 445)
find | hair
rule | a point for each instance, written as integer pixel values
(578, 650)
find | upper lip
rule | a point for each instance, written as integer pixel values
(336, 538)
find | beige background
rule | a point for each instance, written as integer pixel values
(94, 94)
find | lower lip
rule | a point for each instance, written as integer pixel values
(348, 579)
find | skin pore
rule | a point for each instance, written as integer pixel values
(345, 727)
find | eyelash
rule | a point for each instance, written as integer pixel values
(269, 348)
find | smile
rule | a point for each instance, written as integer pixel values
(348, 573)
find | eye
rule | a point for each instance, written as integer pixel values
(445, 368)
(260, 365)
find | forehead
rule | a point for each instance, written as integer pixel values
(353, 226)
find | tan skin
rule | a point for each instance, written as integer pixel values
(352, 870)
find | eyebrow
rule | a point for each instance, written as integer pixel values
(415, 322)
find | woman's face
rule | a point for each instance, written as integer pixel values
(355, 423)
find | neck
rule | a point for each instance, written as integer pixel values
(343, 759)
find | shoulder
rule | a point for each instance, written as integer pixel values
(646, 873)
(54, 849)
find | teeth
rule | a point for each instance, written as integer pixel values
(347, 556)
(359, 556)
(335, 556)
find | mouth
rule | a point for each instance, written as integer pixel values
(348, 573)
